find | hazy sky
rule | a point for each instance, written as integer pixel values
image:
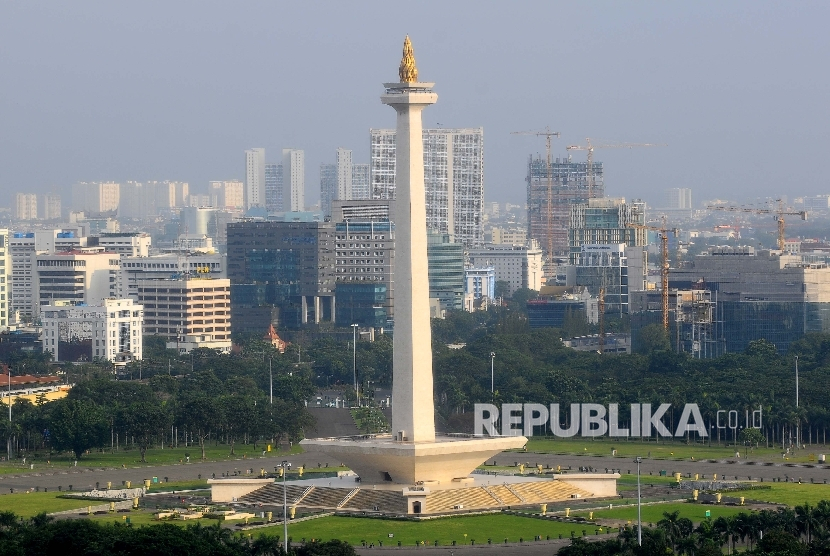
(177, 90)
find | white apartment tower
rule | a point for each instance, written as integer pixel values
(679, 198)
(328, 188)
(25, 206)
(254, 178)
(360, 182)
(5, 279)
(293, 179)
(344, 174)
(49, 208)
(454, 179)
(96, 197)
(227, 194)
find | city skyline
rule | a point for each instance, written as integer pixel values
(736, 79)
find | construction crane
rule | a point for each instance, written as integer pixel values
(589, 174)
(778, 214)
(664, 263)
(547, 134)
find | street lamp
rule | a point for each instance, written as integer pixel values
(639, 507)
(354, 363)
(492, 375)
(271, 380)
(798, 425)
(285, 467)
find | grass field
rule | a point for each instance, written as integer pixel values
(787, 493)
(132, 457)
(654, 512)
(479, 528)
(668, 450)
(28, 505)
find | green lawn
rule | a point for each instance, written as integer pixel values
(156, 456)
(480, 528)
(669, 450)
(653, 513)
(27, 505)
(787, 493)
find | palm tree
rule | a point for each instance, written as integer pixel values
(806, 519)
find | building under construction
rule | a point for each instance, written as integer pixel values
(569, 183)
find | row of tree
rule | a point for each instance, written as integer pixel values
(800, 531)
(104, 412)
(41, 535)
(530, 365)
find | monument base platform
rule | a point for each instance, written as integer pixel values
(479, 492)
(379, 459)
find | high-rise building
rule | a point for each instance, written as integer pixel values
(87, 275)
(605, 221)
(190, 312)
(273, 188)
(138, 200)
(453, 176)
(757, 295)
(568, 185)
(25, 206)
(365, 258)
(518, 265)
(171, 195)
(603, 268)
(360, 182)
(228, 195)
(49, 206)
(96, 197)
(23, 247)
(344, 174)
(679, 198)
(328, 188)
(5, 279)
(254, 178)
(445, 261)
(161, 267)
(112, 331)
(293, 179)
(294, 259)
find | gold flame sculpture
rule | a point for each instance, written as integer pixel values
(408, 73)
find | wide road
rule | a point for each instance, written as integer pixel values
(82, 477)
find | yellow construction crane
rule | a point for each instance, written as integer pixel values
(664, 263)
(547, 134)
(590, 148)
(778, 214)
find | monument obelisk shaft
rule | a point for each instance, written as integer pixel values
(412, 389)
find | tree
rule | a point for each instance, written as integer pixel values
(77, 425)
(238, 416)
(200, 414)
(522, 296)
(651, 338)
(750, 436)
(143, 421)
(502, 288)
